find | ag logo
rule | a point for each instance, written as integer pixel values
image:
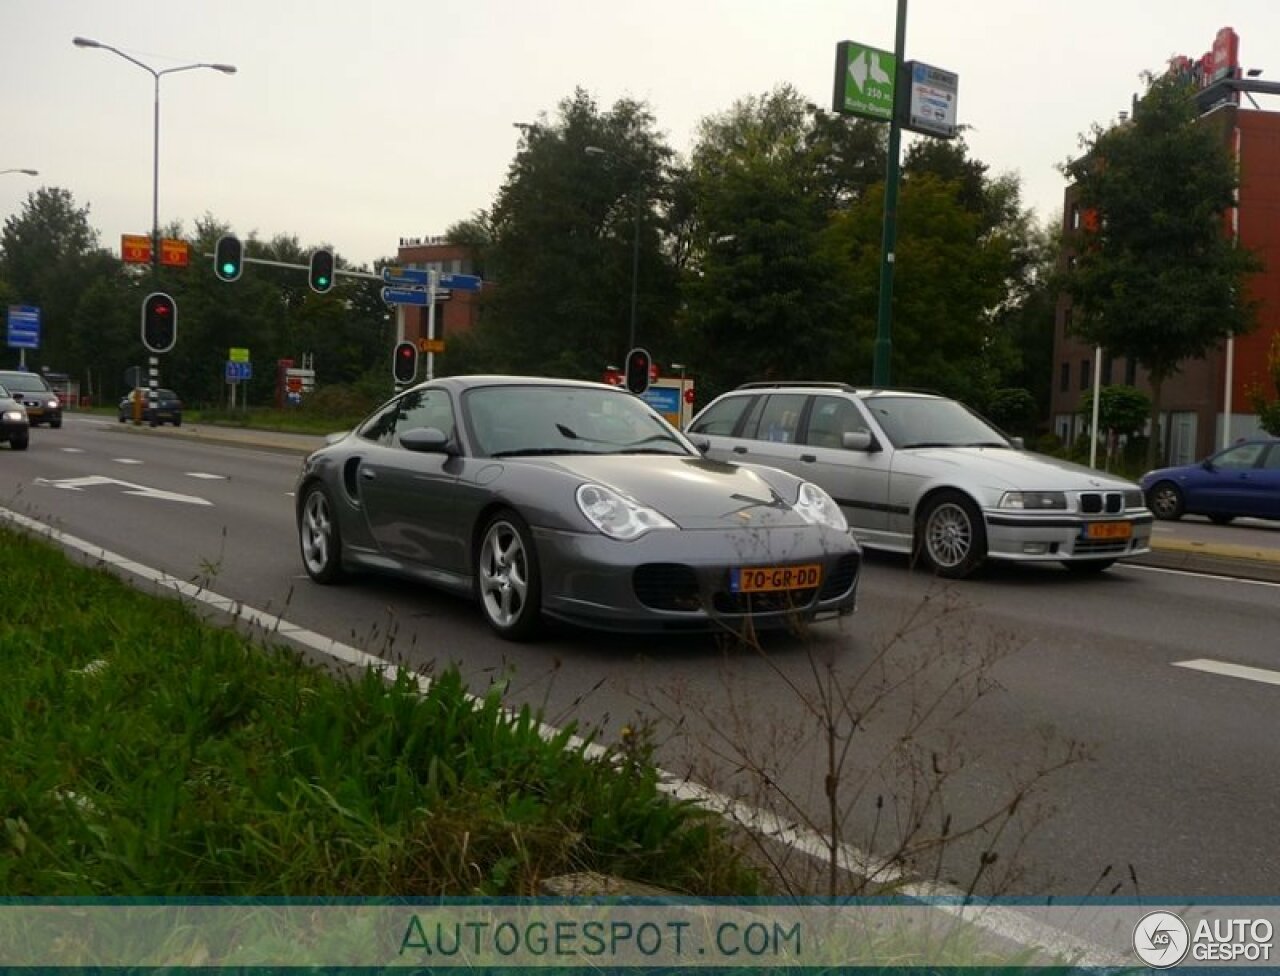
(1161, 939)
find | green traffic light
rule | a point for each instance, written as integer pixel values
(228, 268)
(322, 281)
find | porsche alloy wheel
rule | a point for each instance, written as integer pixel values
(319, 537)
(507, 581)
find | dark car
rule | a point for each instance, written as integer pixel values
(14, 426)
(570, 500)
(35, 394)
(168, 408)
(1241, 481)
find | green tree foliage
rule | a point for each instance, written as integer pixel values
(1267, 409)
(1156, 278)
(760, 297)
(49, 257)
(948, 278)
(1123, 410)
(561, 246)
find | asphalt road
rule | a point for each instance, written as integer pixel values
(1174, 779)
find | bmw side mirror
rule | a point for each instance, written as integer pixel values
(857, 440)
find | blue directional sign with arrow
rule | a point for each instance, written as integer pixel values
(404, 296)
(461, 282)
(24, 327)
(405, 276)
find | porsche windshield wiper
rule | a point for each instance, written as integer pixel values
(537, 452)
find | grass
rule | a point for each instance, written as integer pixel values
(150, 754)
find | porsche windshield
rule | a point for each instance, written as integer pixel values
(511, 421)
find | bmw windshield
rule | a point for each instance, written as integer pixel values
(917, 421)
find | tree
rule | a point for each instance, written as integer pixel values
(1156, 278)
(1268, 410)
(760, 297)
(562, 234)
(49, 257)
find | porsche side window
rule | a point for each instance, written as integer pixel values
(381, 427)
(425, 408)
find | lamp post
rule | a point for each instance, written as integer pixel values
(635, 240)
(29, 172)
(226, 69)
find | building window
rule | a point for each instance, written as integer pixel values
(1067, 318)
(1075, 216)
(1084, 374)
(1064, 378)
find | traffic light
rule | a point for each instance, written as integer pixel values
(159, 322)
(639, 366)
(404, 365)
(228, 257)
(321, 275)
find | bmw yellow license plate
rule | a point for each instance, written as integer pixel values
(773, 579)
(1109, 530)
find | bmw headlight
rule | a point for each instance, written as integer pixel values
(816, 506)
(1034, 500)
(1134, 498)
(14, 416)
(618, 516)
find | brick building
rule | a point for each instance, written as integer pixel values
(456, 311)
(1206, 404)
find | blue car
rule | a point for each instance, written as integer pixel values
(1242, 481)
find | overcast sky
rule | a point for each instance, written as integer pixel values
(355, 124)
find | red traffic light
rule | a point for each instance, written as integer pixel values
(639, 371)
(159, 322)
(404, 365)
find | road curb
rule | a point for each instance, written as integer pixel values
(1240, 562)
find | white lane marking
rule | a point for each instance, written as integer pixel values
(126, 460)
(1199, 575)
(1231, 670)
(206, 476)
(142, 491)
(72, 450)
(1005, 922)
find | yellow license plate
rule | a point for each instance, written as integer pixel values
(771, 579)
(1109, 530)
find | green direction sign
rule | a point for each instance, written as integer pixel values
(238, 355)
(864, 81)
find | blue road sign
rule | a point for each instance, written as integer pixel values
(405, 276)
(664, 399)
(404, 296)
(238, 371)
(460, 281)
(24, 327)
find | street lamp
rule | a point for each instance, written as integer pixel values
(29, 172)
(635, 242)
(226, 69)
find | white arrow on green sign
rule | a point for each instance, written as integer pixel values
(865, 79)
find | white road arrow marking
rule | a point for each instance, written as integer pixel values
(92, 480)
(1263, 675)
(206, 476)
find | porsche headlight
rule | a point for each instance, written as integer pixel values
(1034, 500)
(618, 516)
(14, 416)
(816, 506)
